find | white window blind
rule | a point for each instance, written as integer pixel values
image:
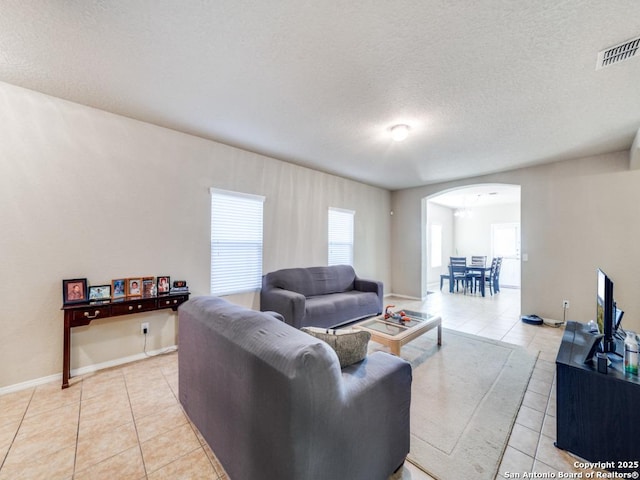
(340, 236)
(236, 242)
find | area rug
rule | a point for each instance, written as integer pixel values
(465, 398)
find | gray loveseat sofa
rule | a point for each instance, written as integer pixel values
(320, 296)
(272, 402)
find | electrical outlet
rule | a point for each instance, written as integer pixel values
(144, 328)
(565, 304)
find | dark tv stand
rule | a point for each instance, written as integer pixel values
(597, 414)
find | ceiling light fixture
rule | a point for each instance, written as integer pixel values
(463, 213)
(399, 132)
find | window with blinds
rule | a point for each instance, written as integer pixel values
(236, 242)
(340, 236)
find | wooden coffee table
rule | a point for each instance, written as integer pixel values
(394, 334)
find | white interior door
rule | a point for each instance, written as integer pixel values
(505, 243)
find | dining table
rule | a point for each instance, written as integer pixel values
(479, 269)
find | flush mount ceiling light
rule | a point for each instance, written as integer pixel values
(399, 132)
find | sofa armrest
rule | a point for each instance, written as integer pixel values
(377, 405)
(379, 374)
(275, 315)
(290, 305)
(374, 286)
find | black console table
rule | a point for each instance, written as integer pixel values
(82, 314)
(598, 415)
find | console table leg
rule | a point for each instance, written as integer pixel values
(66, 360)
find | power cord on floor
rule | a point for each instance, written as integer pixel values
(161, 352)
(557, 323)
(553, 323)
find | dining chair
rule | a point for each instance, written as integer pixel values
(474, 277)
(457, 273)
(479, 260)
(491, 278)
(442, 279)
(447, 277)
(496, 278)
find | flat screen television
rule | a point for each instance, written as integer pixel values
(605, 312)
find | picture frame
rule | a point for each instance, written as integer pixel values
(134, 286)
(74, 291)
(148, 286)
(119, 288)
(164, 284)
(99, 292)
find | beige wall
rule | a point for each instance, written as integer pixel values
(473, 234)
(84, 193)
(576, 216)
(437, 215)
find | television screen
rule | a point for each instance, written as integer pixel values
(605, 311)
(600, 301)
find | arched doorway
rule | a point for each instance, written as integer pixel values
(480, 219)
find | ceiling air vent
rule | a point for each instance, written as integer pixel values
(618, 53)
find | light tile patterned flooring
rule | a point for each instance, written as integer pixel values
(121, 423)
(530, 447)
(126, 422)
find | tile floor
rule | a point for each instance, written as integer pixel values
(530, 447)
(127, 423)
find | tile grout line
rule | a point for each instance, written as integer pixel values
(15, 435)
(75, 453)
(135, 426)
(193, 429)
(120, 452)
(540, 438)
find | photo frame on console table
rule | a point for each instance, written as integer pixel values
(118, 287)
(148, 284)
(74, 291)
(134, 287)
(164, 284)
(100, 292)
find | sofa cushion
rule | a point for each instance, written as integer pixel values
(329, 310)
(314, 281)
(350, 345)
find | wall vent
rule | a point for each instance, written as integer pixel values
(618, 53)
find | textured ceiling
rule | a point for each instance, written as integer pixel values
(486, 86)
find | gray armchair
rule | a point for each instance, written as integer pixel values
(272, 402)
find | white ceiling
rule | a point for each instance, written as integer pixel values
(486, 86)
(479, 196)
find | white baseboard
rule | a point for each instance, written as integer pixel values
(57, 377)
(402, 296)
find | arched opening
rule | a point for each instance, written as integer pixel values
(474, 220)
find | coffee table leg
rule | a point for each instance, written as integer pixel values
(440, 334)
(395, 348)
